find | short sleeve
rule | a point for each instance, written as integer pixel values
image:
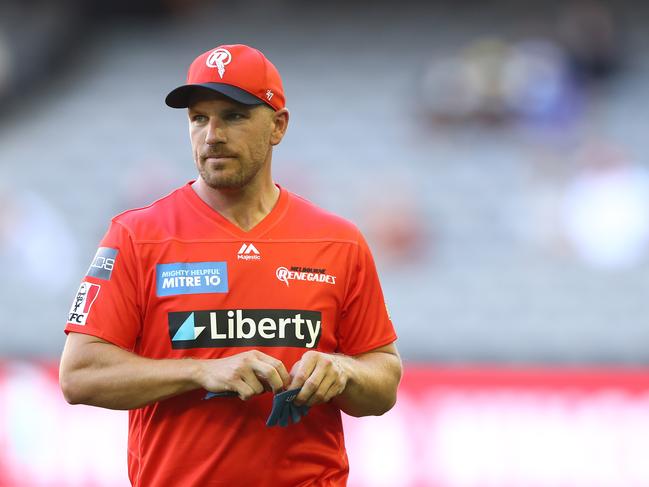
(364, 321)
(106, 304)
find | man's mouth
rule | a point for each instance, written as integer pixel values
(216, 157)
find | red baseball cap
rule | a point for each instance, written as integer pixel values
(237, 71)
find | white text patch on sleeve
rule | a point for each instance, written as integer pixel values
(86, 295)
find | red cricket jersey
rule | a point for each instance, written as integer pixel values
(176, 279)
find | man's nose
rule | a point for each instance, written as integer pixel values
(215, 134)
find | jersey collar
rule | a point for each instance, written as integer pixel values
(258, 230)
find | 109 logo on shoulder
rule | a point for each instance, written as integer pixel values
(103, 263)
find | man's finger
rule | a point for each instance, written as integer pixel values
(336, 389)
(251, 380)
(244, 390)
(301, 371)
(268, 374)
(320, 394)
(310, 386)
(278, 365)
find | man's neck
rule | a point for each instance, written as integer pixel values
(244, 207)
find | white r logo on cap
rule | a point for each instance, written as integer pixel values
(219, 59)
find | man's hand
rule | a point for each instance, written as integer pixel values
(248, 374)
(321, 377)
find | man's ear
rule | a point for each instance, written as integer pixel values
(280, 124)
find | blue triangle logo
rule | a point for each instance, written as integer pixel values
(186, 330)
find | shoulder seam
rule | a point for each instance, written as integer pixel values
(126, 228)
(133, 210)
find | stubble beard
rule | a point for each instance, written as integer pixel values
(234, 181)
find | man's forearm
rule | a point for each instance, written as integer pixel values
(372, 383)
(107, 376)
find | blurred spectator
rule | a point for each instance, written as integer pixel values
(6, 65)
(591, 38)
(468, 85)
(396, 226)
(598, 212)
(537, 86)
(494, 81)
(605, 209)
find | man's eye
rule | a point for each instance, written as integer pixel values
(199, 118)
(235, 116)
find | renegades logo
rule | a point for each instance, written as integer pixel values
(303, 274)
(86, 295)
(245, 328)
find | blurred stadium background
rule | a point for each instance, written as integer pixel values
(494, 153)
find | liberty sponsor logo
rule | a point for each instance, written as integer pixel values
(245, 328)
(82, 303)
(248, 252)
(309, 274)
(219, 59)
(103, 263)
(191, 278)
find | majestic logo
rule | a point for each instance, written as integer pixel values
(219, 59)
(245, 328)
(191, 278)
(304, 274)
(103, 263)
(248, 252)
(86, 295)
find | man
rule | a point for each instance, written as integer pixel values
(227, 284)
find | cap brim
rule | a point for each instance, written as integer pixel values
(179, 98)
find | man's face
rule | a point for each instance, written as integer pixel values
(231, 142)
